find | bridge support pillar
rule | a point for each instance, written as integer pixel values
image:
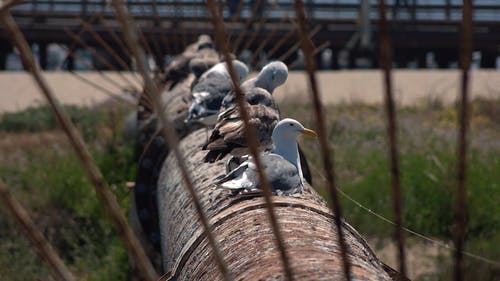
(70, 63)
(5, 49)
(43, 56)
(488, 59)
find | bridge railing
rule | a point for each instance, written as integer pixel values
(320, 10)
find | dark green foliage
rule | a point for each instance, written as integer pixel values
(51, 184)
(427, 138)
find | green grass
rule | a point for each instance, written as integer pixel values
(51, 184)
(47, 179)
(427, 138)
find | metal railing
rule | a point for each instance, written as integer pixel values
(316, 10)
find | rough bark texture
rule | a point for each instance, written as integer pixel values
(244, 234)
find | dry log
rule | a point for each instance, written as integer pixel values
(243, 231)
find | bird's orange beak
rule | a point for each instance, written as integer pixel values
(309, 133)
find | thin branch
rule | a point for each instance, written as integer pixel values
(316, 51)
(296, 46)
(102, 89)
(92, 67)
(73, 46)
(386, 61)
(235, 18)
(96, 54)
(253, 35)
(106, 197)
(264, 42)
(276, 47)
(248, 22)
(251, 139)
(43, 248)
(326, 150)
(168, 130)
(157, 52)
(163, 39)
(463, 123)
(115, 37)
(87, 26)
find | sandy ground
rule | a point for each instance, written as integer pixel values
(421, 257)
(18, 91)
(410, 86)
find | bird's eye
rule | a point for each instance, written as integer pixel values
(291, 124)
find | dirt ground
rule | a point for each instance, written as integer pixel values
(18, 91)
(421, 257)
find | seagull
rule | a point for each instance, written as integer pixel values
(282, 167)
(212, 86)
(262, 109)
(228, 134)
(178, 68)
(273, 75)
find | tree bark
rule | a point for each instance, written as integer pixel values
(242, 229)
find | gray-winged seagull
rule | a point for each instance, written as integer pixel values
(273, 75)
(211, 88)
(282, 168)
(263, 111)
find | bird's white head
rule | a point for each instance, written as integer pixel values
(289, 129)
(273, 75)
(285, 141)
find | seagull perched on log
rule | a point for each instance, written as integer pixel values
(282, 167)
(207, 94)
(229, 132)
(273, 75)
(263, 112)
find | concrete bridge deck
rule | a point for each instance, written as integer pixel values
(417, 27)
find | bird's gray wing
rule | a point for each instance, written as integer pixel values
(234, 173)
(282, 175)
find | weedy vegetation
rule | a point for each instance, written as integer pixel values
(427, 152)
(40, 168)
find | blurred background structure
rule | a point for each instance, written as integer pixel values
(425, 32)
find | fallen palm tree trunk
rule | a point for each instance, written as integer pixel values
(242, 228)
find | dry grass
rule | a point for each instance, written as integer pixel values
(427, 153)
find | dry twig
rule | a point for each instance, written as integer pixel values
(463, 123)
(326, 150)
(44, 249)
(251, 139)
(386, 61)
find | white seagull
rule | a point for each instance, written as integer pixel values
(209, 91)
(273, 75)
(282, 167)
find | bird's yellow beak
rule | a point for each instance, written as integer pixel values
(309, 133)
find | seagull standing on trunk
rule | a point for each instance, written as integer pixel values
(282, 168)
